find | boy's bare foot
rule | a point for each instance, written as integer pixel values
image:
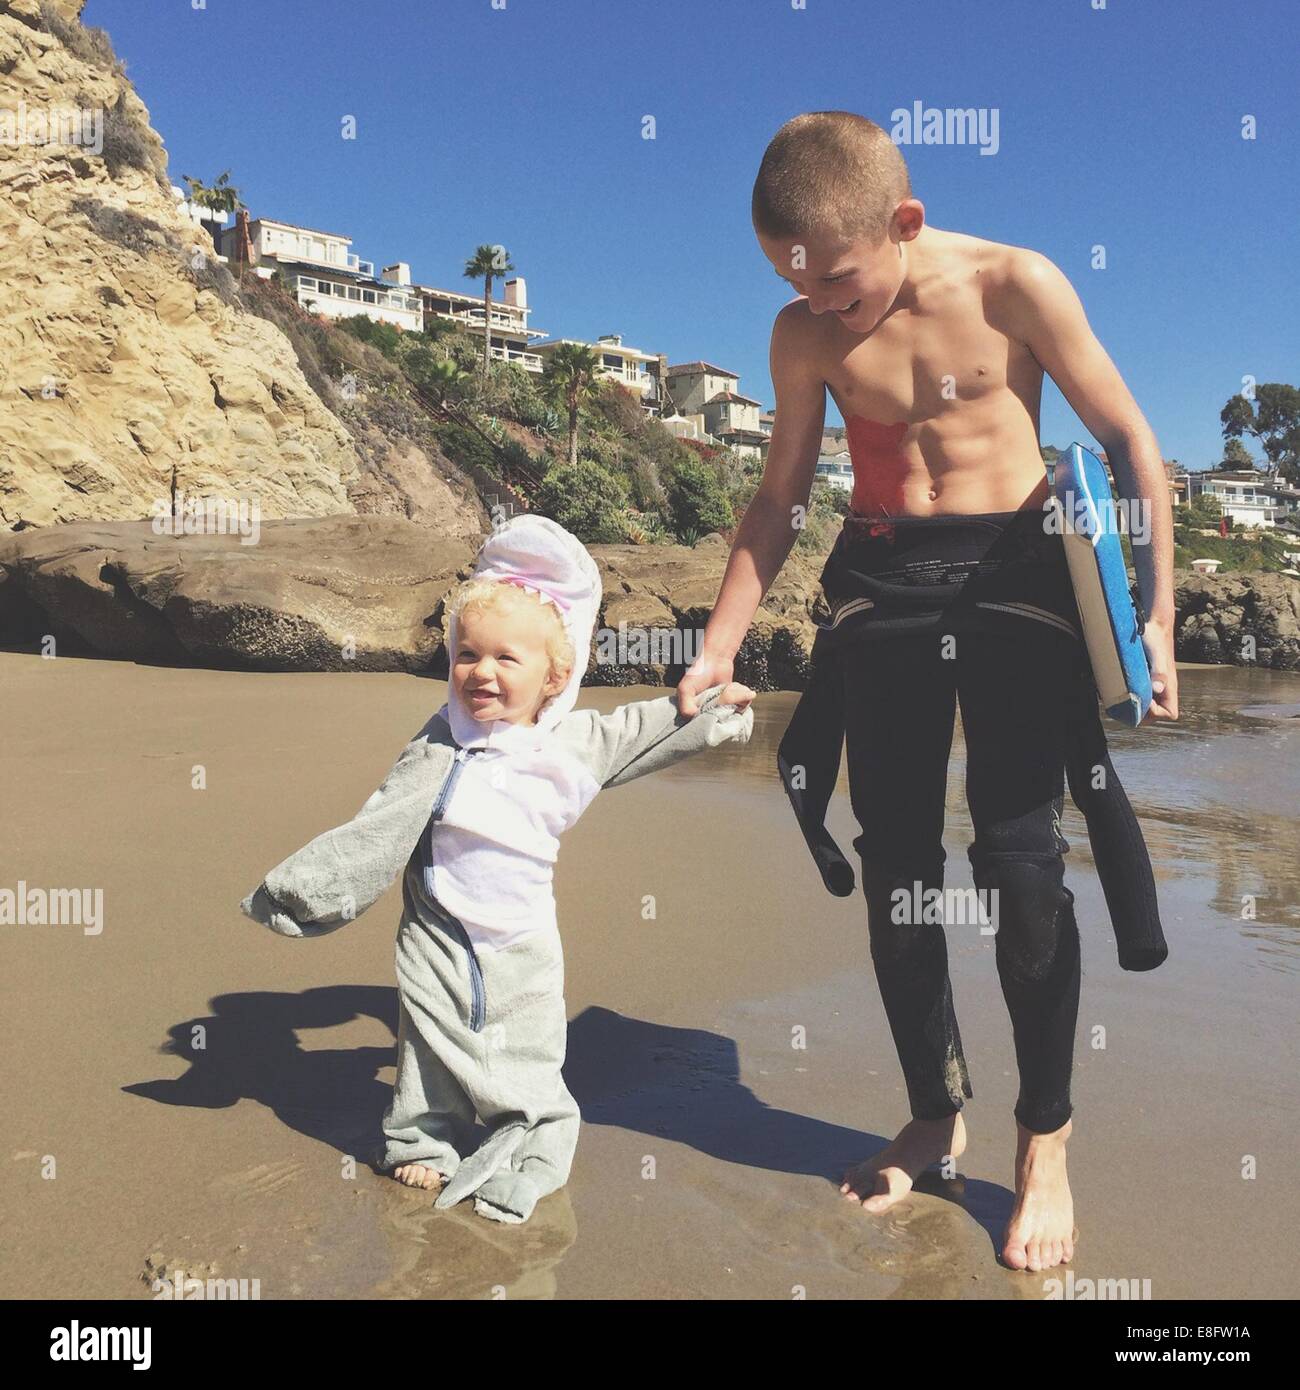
(887, 1177)
(418, 1175)
(1041, 1232)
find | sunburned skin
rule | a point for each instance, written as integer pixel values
(938, 389)
(880, 467)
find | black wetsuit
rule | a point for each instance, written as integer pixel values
(927, 614)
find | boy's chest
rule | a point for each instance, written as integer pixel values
(933, 364)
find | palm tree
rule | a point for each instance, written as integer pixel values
(439, 379)
(571, 379)
(220, 199)
(487, 262)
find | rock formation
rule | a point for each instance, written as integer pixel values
(345, 593)
(1238, 619)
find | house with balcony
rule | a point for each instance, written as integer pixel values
(1246, 495)
(732, 419)
(511, 338)
(629, 366)
(323, 274)
(707, 396)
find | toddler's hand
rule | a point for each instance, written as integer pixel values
(736, 694)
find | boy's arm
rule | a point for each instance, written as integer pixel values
(1045, 313)
(647, 735)
(343, 871)
(768, 530)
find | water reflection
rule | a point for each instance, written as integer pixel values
(1217, 793)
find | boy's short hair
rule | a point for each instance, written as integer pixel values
(488, 595)
(829, 174)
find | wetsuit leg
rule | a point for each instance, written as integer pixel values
(900, 701)
(1016, 717)
(1118, 846)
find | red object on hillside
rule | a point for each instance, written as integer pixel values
(1223, 527)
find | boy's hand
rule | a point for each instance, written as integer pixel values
(736, 694)
(702, 674)
(1158, 640)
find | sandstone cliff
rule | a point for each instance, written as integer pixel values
(126, 349)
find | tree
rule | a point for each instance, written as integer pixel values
(222, 198)
(487, 262)
(571, 379)
(697, 501)
(1272, 416)
(1236, 455)
(437, 377)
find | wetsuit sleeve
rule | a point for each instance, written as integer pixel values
(344, 871)
(646, 735)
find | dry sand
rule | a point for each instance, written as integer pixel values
(197, 1081)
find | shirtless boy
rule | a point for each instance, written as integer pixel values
(933, 345)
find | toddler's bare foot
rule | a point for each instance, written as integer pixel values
(1041, 1231)
(886, 1177)
(419, 1175)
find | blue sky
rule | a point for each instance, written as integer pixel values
(523, 125)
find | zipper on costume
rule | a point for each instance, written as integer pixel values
(462, 755)
(478, 995)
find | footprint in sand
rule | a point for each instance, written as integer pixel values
(262, 1180)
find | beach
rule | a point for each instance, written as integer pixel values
(186, 1088)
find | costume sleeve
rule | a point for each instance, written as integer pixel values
(344, 871)
(647, 735)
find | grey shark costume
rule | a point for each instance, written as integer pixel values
(482, 1032)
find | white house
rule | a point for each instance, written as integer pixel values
(1249, 497)
(326, 277)
(628, 366)
(512, 339)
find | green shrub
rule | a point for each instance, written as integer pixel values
(466, 447)
(587, 500)
(697, 500)
(386, 337)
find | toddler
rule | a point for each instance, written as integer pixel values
(470, 817)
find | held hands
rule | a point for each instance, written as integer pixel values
(1158, 641)
(710, 670)
(736, 694)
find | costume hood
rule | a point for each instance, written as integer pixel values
(540, 555)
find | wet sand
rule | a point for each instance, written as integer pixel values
(196, 1081)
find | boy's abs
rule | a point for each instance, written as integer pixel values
(940, 400)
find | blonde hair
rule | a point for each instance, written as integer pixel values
(498, 595)
(829, 174)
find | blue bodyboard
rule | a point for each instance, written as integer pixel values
(1112, 623)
